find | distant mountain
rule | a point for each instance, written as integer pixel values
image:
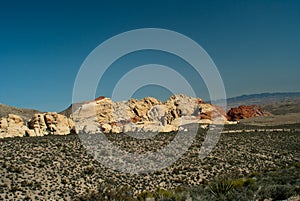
(261, 99)
(26, 114)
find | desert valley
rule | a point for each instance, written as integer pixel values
(256, 158)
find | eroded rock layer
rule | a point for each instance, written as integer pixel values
(102, 115)
(39, 125)
(145, 115)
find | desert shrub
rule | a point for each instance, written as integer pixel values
(254, 174)
(146, 194)
(297, 164)
(241, 194)
(238, 183)
(220, 188)
(107, 192)
(164, 195)
(199, 193)
(288, 176)
(88, 170)
(276, 192)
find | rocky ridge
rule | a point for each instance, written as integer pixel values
(145, 115)
(149, 114)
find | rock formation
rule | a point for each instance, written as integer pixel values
(51, 123)
(13, 126)
(39, 125)
(104, 115)
(145, 115)
(244, 112)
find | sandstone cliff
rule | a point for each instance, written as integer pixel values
(104, 115)
(41, 124)
(13, 126)
(145, 115)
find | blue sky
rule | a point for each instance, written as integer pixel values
(254, 44)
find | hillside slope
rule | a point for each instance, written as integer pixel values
(261, 99)
(26, 114)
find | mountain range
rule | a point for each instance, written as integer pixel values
(261, 99)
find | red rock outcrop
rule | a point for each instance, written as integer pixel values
(246, 111)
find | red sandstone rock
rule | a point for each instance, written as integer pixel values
(99, 98)
(246, 111)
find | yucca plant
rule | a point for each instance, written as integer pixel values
(220, 188)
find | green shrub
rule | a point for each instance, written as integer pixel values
(220, 188)
(297, 164)
(164, 195)
(107, 192)
(146, 194)
(276, 192)
(238, 183)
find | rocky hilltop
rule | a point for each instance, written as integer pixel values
(102, 115)
(145, 115)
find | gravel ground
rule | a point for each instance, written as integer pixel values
(60, 168)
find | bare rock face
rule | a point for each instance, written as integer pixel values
(58, 124)
(13, 126)
(140, 108)
(104, 110)
(38, 124)
(246, 111)
(145, 115)
(85, 119)
(158, 113)
(102, 115)
(3, 123)
(106, 128)
(213, 114)
(50, 123)
(182, 105)
(89, 128)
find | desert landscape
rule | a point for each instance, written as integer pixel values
(161, 100)
(256, 158)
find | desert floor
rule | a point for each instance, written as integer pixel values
(61, 168)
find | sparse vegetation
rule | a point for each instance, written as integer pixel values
(264, 186)
(220, 188)
(243, 166)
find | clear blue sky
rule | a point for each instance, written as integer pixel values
(255, 44)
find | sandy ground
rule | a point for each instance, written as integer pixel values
(274, 120)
